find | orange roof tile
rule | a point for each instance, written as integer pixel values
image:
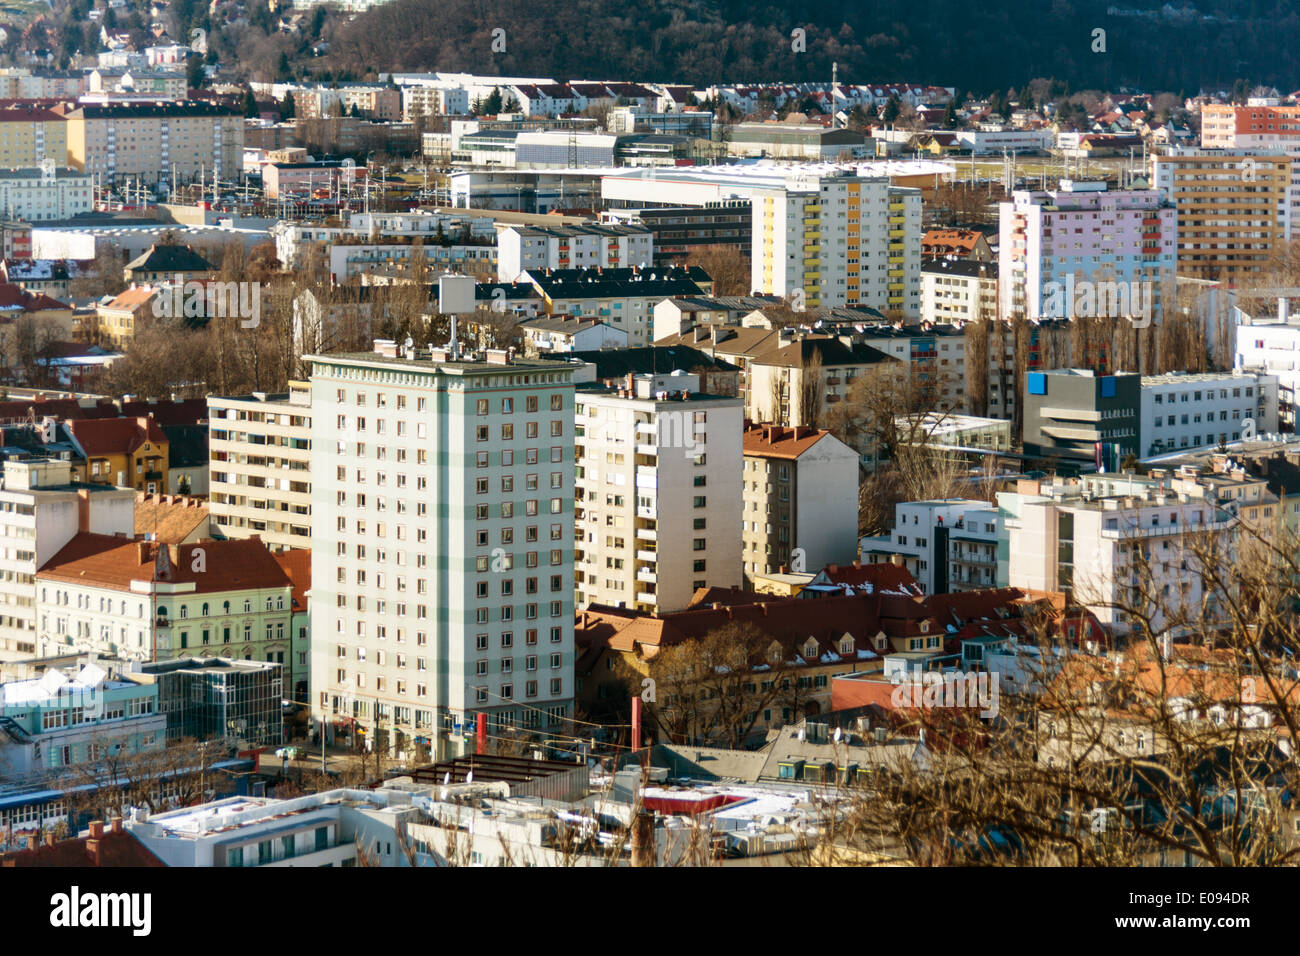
(110, 561)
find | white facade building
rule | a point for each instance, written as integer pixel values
(1186, 411)
(957, 291)
(40, 512)
(659, 493)
(322, 829)
(442, 552)
(947, 545)
(1273, 348)
(1085, 537)
(47, 191)
(800, 487)
(524, 248)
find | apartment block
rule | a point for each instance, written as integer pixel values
(531, 248)
(1082, 250)
(1098, 536)
(1262, 123)
(659, 465)
(30, 135)
(41, 510)
(442, 552)
(153, 142)
(44, 191)
(957, 291)
(839, 240)
(1273, 348)
(1180, 410)
(1234, 208)
(948, 544)
(780, 380)
(259, 466)
(622, 298)
(799, 492)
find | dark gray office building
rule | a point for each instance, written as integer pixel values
(1083, 420)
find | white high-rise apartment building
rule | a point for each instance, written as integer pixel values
(839, 240)
(1082, 251)
(41, 509)
(442, 553)
(259, 466)
(659, 493)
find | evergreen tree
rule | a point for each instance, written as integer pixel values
(892, 109)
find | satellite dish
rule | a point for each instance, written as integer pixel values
(469, 777)
(446, 778)
(838, 734)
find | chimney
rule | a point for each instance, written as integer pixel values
(96, 829)
(49, 838)
(142, 551)
(117, 825)
(83, 509)
(92, 850)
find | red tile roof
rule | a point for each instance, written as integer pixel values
(112, 849)
(109, 561)
(97, 437)
(776, 441)
(296, 564)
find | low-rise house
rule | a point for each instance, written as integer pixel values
(559, 334)
(125, 452)
(165, 262)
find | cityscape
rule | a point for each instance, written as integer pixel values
(420, 457)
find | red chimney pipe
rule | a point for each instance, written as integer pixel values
(481, 729)
(636, 722)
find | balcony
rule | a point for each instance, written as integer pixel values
(646, 575)
(645, 597)
(647, 534)
(649, 556)
(648, 450)
(646, 511)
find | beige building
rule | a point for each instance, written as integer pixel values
(658, 495)
(150, 141)
(781, 386)
(117, 320)
(29, 135)
(1233, 208)
(260, 466)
